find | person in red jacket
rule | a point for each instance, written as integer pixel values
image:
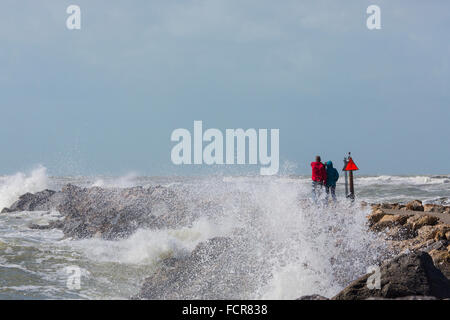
(319, 176)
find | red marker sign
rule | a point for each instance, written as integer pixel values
(351, 166)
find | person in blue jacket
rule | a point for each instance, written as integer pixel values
(332, 178)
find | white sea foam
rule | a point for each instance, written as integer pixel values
(149, 246)
(126, 181)
(299, 248)
(13, 186)
(405, 180)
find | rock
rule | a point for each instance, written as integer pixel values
(442, 232)
(387, 206)
(399, 233)
(418, 221)
(405, 298)
(412, 274)
(50, 225)
(40, 201)
(114, 213)
(375, 216)
(441, 259)
(117, 213)
(435, 245)
(39, 226)
(433, 208)
(217, 269)
(415, 205)
(389, 221)
(427, 232)
(419, 245)
(440, 256)
(393, 206)
(313, 297)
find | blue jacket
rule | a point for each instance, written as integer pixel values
(332, 175)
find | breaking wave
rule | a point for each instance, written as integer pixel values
(291, 246)
(13, 186)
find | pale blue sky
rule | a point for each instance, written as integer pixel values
(105, 99)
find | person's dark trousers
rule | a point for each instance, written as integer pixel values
(333, 192)
(316, 190)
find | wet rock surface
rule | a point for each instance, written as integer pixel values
(412, 274)
(406, 230)
(39, 201)
(313, 297)
(419, 233)
(212, 271)
(106, 213)
(117, 213)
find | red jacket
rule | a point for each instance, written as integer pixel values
(319, 172)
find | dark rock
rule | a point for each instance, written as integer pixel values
(407, 275)
(57, 224)
(434, 208)
(40, 201)
(415, 205)
(217, 269)
(313, 297)
(39, 226)
(117, 213)
(418, 221)
(405, 298)
(110, 213)
(438, 245)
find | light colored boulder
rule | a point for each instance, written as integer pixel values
(433, 208)
(418, 221)
(415, 205)
(375, 216)
(390, 220)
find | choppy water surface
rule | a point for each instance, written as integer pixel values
(302, 249)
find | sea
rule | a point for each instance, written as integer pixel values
(301, 247)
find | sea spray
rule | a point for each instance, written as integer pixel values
(281, 244)
(13, 186)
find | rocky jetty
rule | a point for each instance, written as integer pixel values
(107, 213)
(419, 236)
(216, 269)
(414, 227)
(407, 275)
(39, 201)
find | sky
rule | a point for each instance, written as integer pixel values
(105, 99)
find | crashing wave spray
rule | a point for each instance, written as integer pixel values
(216, 238)
(11, 187)
(278, 245)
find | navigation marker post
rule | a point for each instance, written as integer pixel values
(350, 166)
(346, 177)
